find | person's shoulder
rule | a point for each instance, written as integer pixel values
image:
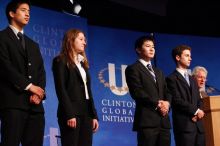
(58, 62)
(135, 64)
(157, 69)
(131, 66)
(2, 34)
(4, 31)
(59, 59)
(172, 75)
(30, 40)
(6, 35)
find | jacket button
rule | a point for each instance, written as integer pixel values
(29, 64)
(29, 77)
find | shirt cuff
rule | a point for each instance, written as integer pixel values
(196, 112)
(28, 86)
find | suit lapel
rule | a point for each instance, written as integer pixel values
(15, 39)
(181, 78)
(193, 87)
(87, 75)
(146, 72)
(184, 83)
(27, 49)
(79, 74)
(158, 78)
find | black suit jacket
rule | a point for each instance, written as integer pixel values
(185, 102)
(146, 94)
(19, 67)
(70, 90)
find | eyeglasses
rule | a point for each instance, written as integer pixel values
(201, 78)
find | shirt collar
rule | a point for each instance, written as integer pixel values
(15, 30)
(81, 58)
(183, 71)
(145, 63)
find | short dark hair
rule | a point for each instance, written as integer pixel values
(178, 50)
(13, 5)
(140, 41)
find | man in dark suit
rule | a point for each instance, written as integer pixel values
(147, 87)
(22, 81)
(186, 101)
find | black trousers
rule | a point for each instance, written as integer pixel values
(194, 138)
(79, 136)
(19, 126)
(154, 137)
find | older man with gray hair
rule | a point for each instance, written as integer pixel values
(200, 75)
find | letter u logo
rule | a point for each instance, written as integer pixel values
(112, 80)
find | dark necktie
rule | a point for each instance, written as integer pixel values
(21, 39)
(149, 67)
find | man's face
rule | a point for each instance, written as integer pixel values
(147, 51)
(22, 15)
(185, 59)
(201, 78)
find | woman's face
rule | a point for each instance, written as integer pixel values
(79, 43)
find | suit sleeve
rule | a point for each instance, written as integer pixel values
(9, 71)
(41, 72)
(94, 112)
(167, 93)
(60, 73)
(177, 101)
(136, 88)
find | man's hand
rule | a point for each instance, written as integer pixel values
(194, 119)
(37, 90)
(163, 107)
(200, 114)
(35, 99)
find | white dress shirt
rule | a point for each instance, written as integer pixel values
(83, 74)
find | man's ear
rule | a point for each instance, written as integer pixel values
(177, 58)
(11, 14)
(138, 50)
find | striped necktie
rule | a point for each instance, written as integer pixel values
(186, 76)
(149, 67)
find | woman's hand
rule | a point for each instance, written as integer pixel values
(72, 123)
(95, 125)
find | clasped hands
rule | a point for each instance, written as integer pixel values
(163, 107)
(200, 114)
(37, 94)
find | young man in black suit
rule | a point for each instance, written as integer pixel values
(148, 88)
(22, 81)
(186, 101)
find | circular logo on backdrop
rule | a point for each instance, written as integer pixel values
(111, 81)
